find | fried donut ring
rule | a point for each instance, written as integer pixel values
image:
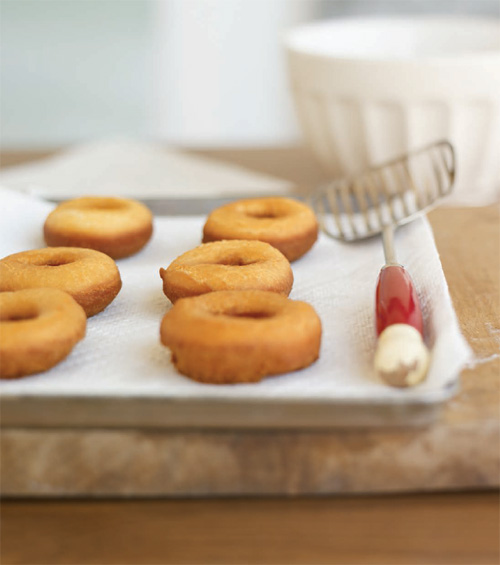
(118, 227)
(227, 265)
(240, 336)
(286, 224)
(39, 328)
(91, 277)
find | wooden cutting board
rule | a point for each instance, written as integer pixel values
(460, 451)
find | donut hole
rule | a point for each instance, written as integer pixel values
(253, 315)
(235, 261)
(263, 214)
(57, 262)
(54, 261)
(238, 312)
(29, 313)
(107, 206)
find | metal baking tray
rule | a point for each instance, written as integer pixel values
(121, 377)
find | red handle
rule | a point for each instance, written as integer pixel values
(396, 300)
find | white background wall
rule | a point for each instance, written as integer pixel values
(73, 70)
(220, 70)
(193, 72)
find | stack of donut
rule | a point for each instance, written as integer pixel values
(232, 321)
(47, 294)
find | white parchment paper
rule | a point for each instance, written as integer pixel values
(122, 355)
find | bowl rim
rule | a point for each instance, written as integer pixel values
(289, 38)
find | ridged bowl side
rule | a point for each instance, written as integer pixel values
(348, 136)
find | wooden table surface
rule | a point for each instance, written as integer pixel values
(452, 528)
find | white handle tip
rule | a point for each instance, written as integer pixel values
(401, 359)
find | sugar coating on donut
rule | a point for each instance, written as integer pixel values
(118, 227)
(39, 327)
(285, 223)
(227, 265)
(90, 277)
(240, 336)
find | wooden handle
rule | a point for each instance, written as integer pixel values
(401, 358)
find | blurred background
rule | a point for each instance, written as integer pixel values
(189, 72)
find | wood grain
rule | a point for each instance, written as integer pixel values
(433, 529)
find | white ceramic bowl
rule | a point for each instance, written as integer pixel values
(367, 90)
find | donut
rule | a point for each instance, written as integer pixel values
(233, 336)
(39, 327)
(91, 277)
(286, 224)
(118, 227)
(227, 265)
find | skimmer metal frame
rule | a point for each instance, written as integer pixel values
(386, 196)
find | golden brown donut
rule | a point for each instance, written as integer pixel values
(91, 277)
(38, 328)
(227, 265)
(118, 227)
(286, 224)
(240, 336)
